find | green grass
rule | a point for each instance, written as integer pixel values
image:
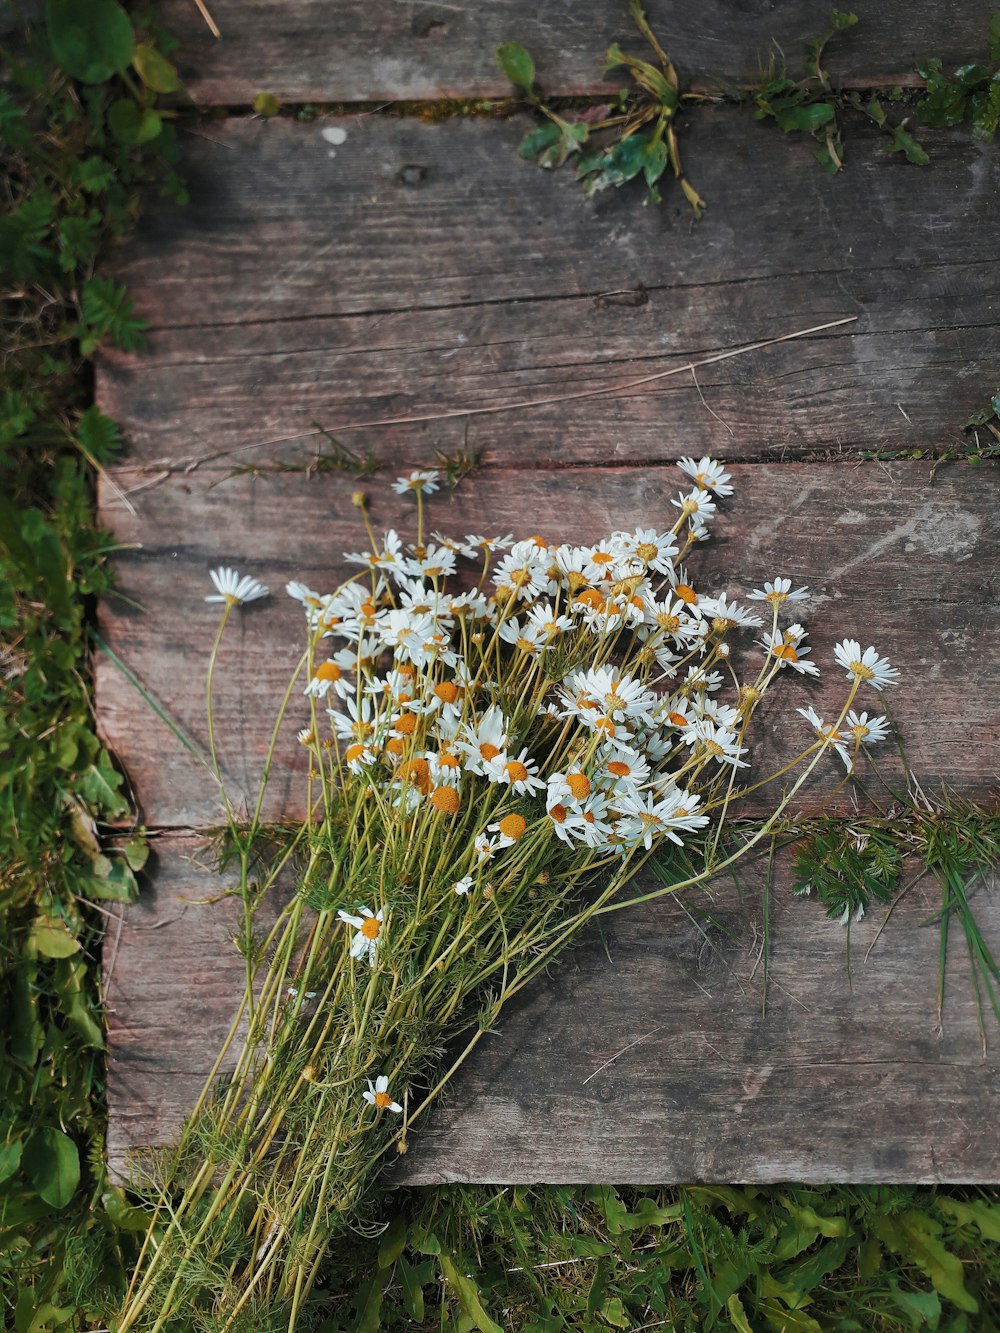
(457, 1258)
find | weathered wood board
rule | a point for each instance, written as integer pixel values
(416, 270)
(425, 269)
(387, 50)
(891, 558)
(840, 1079)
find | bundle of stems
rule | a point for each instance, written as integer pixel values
(497, 765)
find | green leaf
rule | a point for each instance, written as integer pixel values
(923, 1307)
(98, 785)
(52, 1164)
(916, 1236)
(517, 65)
(805, 118)
(904, 142)
(468, 1295)
(108, 312)
(370, 1302)
(393, 1242)
(123, 1215)
(10, 1159)
(90, 39)
(52, 939)
(413, 1291)
(737, 1314)
(266, 104)
(808, 1217)
(155, 70)
(99, 435)
(841, 19)
(132, 124)
(615, 1313)
(537, 140)
(136, 851)
(112, 881)
(985, 1217)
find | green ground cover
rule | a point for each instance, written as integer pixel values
(82, 128)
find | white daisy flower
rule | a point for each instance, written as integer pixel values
(697, 504)
(777, 593)
(520, 774)
(828, 734)
(601, 563)
(645, 548)
(708, 474)
(866, 730)
(718, 743)
(232, 589)
(369, 928)
(463, 885)
(624, 771)
(304, 594)
(378, 1096)
(425, 481)
(486, 847)
(528, 639)
(475, 546)
(789, 651)
(865, 666)
(358, 757)
(485, 741)
(726, 615)
(431, 562)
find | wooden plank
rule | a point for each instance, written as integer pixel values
(427, 269)
(840, 1080)
(892, 557)
(391, 49)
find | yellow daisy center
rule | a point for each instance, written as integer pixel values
(371, 928)
(513, 826)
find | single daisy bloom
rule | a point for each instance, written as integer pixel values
(486, 847)
(828, 734)
(463, 885)
(509, 829)
(646, 548)
(378, 1096)
(369, 928)
(520, 774)
(485, 741)
(777, 593)
(867, 665)
(708, 474)
(232, 589)
(697, 504)
(788, 649)
(423, 481)
(866, 730)
(476, 546)
(717, 742)
(726, 615)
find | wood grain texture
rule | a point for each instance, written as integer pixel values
(385, 50)
(427, 269)
(838, 1081)
(891, 557)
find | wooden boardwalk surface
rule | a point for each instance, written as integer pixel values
(423, 269)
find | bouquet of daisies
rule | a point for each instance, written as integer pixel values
(500, 733)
